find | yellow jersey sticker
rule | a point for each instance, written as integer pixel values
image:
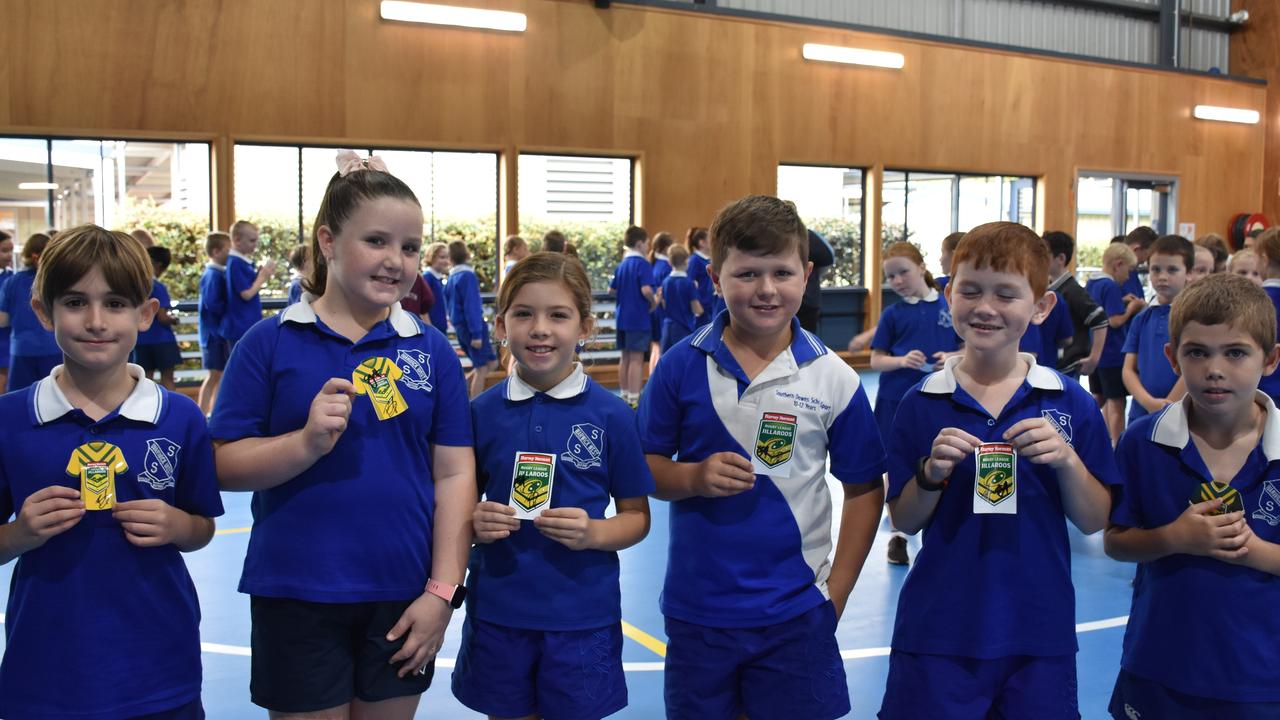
(376, 377)
(97, 464)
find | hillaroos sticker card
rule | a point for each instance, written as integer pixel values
(531, 482)
(995, 482)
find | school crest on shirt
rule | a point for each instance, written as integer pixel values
(944, 318)
(776, 438)
(1269, 504)
(160, 467)
(416, 366)
(585, 446)
(1060, 422)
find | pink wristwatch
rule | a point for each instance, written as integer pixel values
(452, 594)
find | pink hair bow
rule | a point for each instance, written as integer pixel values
(349, 162)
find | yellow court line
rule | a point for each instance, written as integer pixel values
(655, 645)
(232, 531)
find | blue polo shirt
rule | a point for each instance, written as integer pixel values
(678, 294)
(1198, 625)
(1051, 333)
(759, 557)
(631, 275)
(295, 291)
(1147, 337)
(1133, 286)
(699, 273)
(29, 338)
(462, 296)
(528, 580)
(96, 627)
(941, 281)
(991, 586)
(6, 331)
(922, 324)
(1110, 297)
(357, 525)
(159, 334)
(241, 314)
(213, 302)
(1270, 384)
(661, 269)
(438, 313)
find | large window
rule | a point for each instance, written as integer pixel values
(279, 188)
(925, 207)
(589, 199)
(830, 201)
(1110, 205)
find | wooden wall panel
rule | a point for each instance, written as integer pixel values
(1255, 51)
(712, 105)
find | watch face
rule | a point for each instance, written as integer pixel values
(459, 595)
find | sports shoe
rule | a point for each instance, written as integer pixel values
(898, 551)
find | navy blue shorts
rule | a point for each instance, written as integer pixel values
(479, 356)
(565, 675)
(786, 671)
(962, 688)
(161, 356)
(634, 340)
(311, 656)
(215, 354)
(27, 370)
(1138, 697)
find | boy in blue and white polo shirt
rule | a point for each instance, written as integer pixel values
(244, 281)
(1200, 512)
(1147, 374)
(112, 479)
(633, 285)
(466, 314)
(750, 406)
(212, 305)
(985, 624)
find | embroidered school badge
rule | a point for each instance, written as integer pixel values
(160, 466)
(944, 318)
(96, 464)
(775, 439)
(1061, 422)
(995, 486)
(531, 482)
(1269, 504)
(585, 446)
(415, 368)
(376, 377)
(1231, 501)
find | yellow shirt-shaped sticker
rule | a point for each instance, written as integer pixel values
(376, 377)
(96, 464)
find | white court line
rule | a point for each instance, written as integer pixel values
(448, 663)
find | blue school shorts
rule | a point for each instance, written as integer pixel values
(27, 370)
(786, 671)
(215, 354)
(479, 356)
(962, 688)
(634, 340)
(160, 356)
(1139, 697)
(557, 675)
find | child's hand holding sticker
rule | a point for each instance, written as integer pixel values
(330, 412)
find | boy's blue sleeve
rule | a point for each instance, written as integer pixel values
(853, 441)
(244, 399)
(1126, 499)
(886, 332)
(613, 282)
(451, 424)
(1112, 300)
(1090, 438)
(240, 277)
(161, 294)
(474, 305)
(1134, 336)
(629, 474)
(912, 439)
(659, 412)
(645, 278)
(196, 491)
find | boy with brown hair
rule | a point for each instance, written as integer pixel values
(1199, 511)
(989, 456)
(751, 406)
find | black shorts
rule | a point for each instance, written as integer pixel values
(311, 656)
(161, 356)
(1108, 382)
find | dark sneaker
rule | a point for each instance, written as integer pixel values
(898, 551)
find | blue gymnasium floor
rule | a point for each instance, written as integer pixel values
(1102, 594)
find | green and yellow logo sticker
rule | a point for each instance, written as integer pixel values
(531, 483)
(996, 481)
(776, 439)
(1231, 500)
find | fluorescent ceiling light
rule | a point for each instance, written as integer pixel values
(852, 56)
(37, 186)
(1226, 114)
(457, 16)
